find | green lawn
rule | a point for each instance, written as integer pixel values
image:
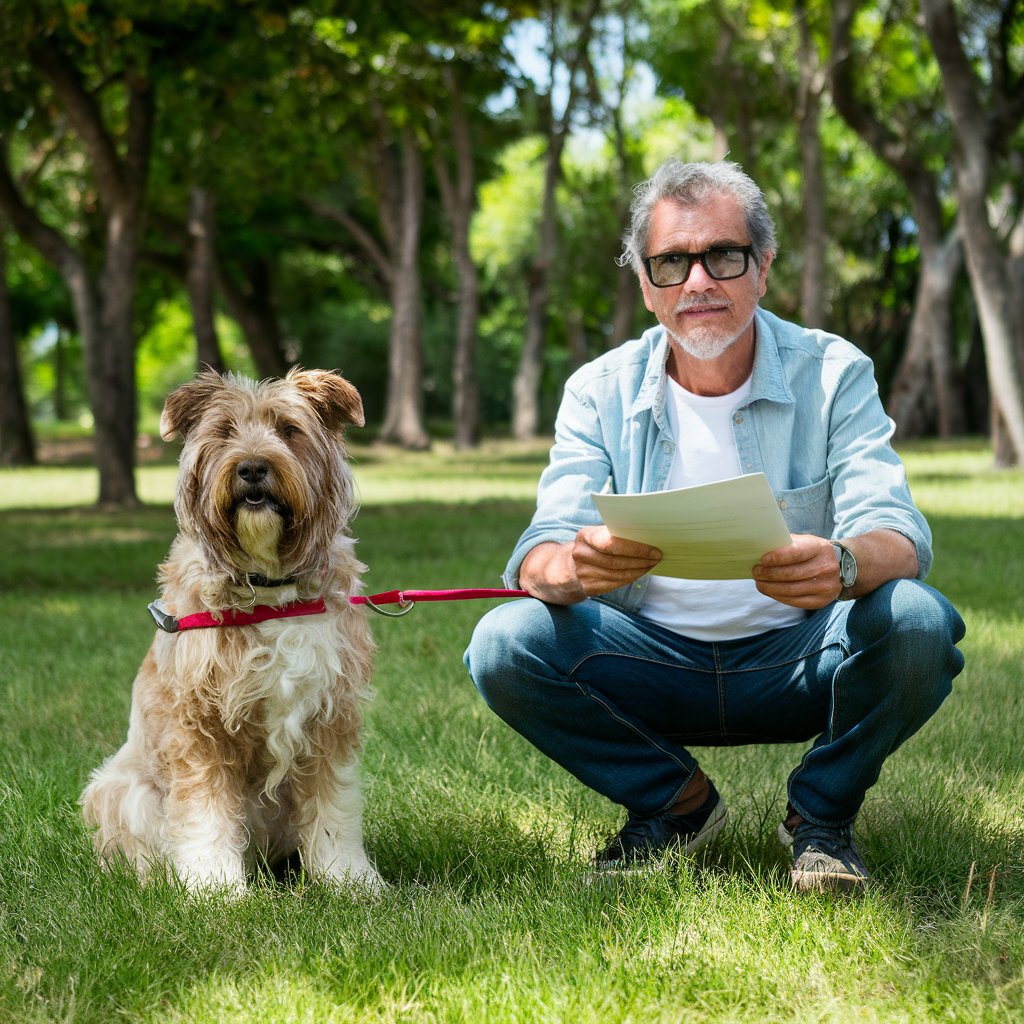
(489, 916)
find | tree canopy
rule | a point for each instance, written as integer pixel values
(431, 197)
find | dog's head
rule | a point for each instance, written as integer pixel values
(263, 484)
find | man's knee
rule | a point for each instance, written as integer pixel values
(496, 650)
(917, 628)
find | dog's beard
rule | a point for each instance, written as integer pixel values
(259, 529)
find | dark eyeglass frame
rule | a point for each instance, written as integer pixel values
(702, 259)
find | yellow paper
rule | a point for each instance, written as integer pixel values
(713, 531)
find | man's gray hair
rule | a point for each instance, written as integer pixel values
(691, 185)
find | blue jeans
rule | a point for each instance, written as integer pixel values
(618, 700)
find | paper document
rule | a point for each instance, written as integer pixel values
(713, 531)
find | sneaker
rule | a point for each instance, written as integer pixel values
(824, 858)
(643, 841)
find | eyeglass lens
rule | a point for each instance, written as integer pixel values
(672, 268)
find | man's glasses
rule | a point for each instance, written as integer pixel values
(721, 264)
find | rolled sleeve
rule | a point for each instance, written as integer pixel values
(869, 483)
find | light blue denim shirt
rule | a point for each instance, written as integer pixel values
(813, 424)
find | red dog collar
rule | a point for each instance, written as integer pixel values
(230, 617)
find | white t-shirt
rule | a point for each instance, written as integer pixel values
(706, 452)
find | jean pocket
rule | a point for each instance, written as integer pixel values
(808, 509)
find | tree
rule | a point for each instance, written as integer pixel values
(904, 137)
(115, 134)
(458, 196)
(568, 33)
(987, 110)
(201, 276)
(17, 443)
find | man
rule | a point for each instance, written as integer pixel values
(615, 671)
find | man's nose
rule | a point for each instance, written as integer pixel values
(698, 280)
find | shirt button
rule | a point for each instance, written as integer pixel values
(738, 418)
(783, 503)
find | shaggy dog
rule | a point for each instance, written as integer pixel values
(243, 738)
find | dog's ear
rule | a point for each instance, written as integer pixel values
(185, 405)
(336, 402)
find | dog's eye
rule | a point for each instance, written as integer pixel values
(225, 430)
(289, 431)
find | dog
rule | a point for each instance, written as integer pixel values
(243, 739)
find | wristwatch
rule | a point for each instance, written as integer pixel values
(847, 566)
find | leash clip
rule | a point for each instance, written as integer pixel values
(163, 618)
(404, 606)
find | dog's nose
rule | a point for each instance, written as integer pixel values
(253, 471)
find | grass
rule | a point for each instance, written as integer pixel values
(488, 916)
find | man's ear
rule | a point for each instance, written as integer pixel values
(185, 405)
(762, 274)
(335, 400)
(645, 287)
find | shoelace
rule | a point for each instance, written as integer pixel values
(838, 839)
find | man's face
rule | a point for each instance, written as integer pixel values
(705, 317)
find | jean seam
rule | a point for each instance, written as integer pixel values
(804, 655)
(723, 728)
(661, 663)
(591, 695)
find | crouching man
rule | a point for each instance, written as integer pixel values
(615, 673)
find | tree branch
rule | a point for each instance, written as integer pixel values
(84, 114)
(26, 222)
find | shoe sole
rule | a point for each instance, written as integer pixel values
(714, 825)
(832, 881)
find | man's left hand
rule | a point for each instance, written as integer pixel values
(804, 573)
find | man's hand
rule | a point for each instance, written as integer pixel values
(592, 564)
(804, 573)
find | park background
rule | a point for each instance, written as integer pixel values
(430, 197)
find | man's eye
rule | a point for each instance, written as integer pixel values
(671, 259)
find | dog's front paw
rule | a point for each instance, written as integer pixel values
(354, 879)
(206, 879)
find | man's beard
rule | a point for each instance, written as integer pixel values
(702, 342)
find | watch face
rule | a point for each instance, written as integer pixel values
(848, 569)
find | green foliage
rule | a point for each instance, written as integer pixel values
(166, 356)
(269, 106)
(504, 230)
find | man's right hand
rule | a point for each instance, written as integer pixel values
(592, 564)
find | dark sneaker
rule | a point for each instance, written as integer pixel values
(824, 858)
(643, 841)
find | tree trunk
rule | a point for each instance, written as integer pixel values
(526, 385)
(626, 292)
(403, 413)
(925, 387)
(17, 445)
(986, 265)
(252, 306)
(579, 351)
(458, 197)
(103, 307)
(200, 277)
(924, 392)
(811, 85)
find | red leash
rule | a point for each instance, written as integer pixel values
(405, 599)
